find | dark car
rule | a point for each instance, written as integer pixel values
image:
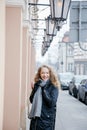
(82, 91)
(65, 78)
(74, 83)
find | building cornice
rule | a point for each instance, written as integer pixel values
(15, 3)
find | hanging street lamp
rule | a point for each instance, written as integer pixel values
(47, 38)
(59, 11)
(44, 48)
(50, 26)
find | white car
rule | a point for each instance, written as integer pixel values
(65, 78)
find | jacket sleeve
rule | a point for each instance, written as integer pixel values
(50, 98)
(33, 93)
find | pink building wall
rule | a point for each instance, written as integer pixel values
(17, 67)
(24, 78)
(12, 68)
(2, 58)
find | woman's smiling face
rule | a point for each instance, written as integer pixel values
(45, 75)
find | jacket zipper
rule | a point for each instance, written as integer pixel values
(36, 124)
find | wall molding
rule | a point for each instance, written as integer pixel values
(15, 3)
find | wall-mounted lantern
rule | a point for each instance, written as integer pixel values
(59, 10)
(44, 48)
(50, 26)
(47, 38)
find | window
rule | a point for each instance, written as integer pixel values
(70, 67)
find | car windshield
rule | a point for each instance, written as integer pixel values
(79, 78)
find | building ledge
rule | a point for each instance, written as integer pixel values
(15, 3)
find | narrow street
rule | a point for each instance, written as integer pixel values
(71, 113)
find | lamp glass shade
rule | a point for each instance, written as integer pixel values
(51, 38)
(55, 30)
(49, 26)
(52, 8)
(58, 5)
(59, 9)
(46, 37)
(66, 8)
(47, 44)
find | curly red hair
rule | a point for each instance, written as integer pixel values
(53, 77)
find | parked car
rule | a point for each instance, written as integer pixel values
(82, 91)
(74, 83)
(65, 78)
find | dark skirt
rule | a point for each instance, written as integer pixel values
(38, 124)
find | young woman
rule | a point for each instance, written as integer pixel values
(44, 98)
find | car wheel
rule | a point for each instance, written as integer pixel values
(78, 97)
(75, 92)
(70, 93)
(86, 99)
